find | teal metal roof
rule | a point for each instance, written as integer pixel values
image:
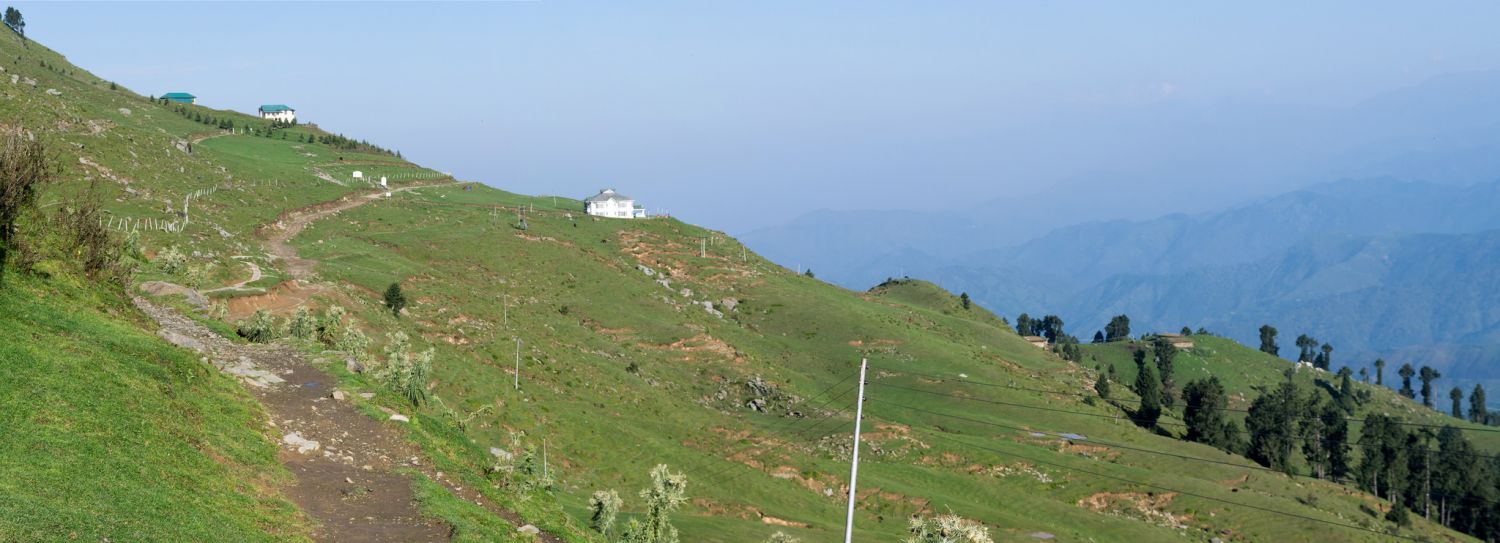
(273, 108)
(178, 96)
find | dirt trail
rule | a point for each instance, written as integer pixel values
(255, 275)
(290, 224)
(345, 463)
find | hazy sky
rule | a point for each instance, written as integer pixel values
(740, 115)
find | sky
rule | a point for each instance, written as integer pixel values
(744, 115)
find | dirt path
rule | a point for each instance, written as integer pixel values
(278, 234)
(254, 276)
(345, 463)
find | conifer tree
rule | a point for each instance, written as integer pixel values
(1268, 340)
(394, 299)
(1457, 395)
(1101, 386)
(1477, 410)
(1428, 375)
(1149, 389)
(1380, 371)
(1406, 372)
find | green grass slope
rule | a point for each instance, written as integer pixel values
(111, 434)
(620, 371)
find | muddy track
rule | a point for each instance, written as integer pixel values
(347, 466)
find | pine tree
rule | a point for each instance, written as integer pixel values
(1025, 325)
(1380, 371)
(394, 299)
(1346, 389)
(963, 300)
(1270, 423)
(1477, 408)
(1336, 441)
(1204, 403)
(1098, 336)
(1325, 360)
(1406, 372)
(1117, 329)
(1268, 340)
(1457, 395)
(1101, 386)
(1428, 375)
(1149, 389)
(1164, 354)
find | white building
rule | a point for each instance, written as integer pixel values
(609, 203)
(278, 112)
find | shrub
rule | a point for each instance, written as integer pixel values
(331, 326)
(604, 507)
(100, 253)
(24, 170)
(171, 261)
(259, 328)
(353, 341)
(302, 325)
(404, 372)
(947, 529)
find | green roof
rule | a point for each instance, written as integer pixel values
(178, 95)
(273, 108)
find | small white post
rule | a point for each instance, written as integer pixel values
(518, 363)
(859, 413)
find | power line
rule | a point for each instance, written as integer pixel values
(943, 436)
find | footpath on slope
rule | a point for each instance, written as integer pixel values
(345, 463)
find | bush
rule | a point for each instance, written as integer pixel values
(259, 328)
(604, 507)
(101, 254)
(947, 529)
(171, 261)
(24, 170)
(302, 325)
(404, 372)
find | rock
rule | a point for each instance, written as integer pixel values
(125, 111)
(709, 307)
(500, 453)
(400, 418)
(1042, 535)
(529, 529)
(353, 366)
(367, 395)
(686, 292)
(646, 270)
(54, 92)
(162, 288)
(180, 340)
(756, 404)
(339, 395)
(302, 444)
(729, 304)
(349, 480)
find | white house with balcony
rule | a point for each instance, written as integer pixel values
(609, 203)
(278, 112)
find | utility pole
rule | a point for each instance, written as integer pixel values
(859, 414)
(518, 363)
(703, 248)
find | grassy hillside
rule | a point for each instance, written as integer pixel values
(111, 434)
(637, 343)
(620, 372)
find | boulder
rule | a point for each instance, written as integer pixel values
(529, 529)
(400, 418)
(302, 444)
(339, 395)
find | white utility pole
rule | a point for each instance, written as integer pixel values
(859, 413)
(518, 363)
